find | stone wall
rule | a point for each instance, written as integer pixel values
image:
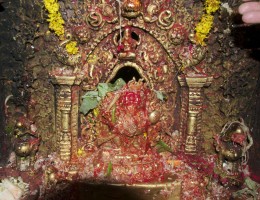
(234, 93)
(11, 56)
(20, 41)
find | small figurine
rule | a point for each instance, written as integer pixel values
(232, 146)
(26, 144)
(127, 46)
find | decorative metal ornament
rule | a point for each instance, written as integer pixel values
(232, 147)
(147, 45)
(154, 117)
(26, 146)
(131, 8)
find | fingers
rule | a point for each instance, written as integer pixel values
(248, 7)
(250, 12)
(251, 17)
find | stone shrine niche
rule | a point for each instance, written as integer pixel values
(143, 54)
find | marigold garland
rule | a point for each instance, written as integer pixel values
(211, 6)
(55, 19)
(56, 23)
(204, 26)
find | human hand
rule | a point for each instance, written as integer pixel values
(250, 12)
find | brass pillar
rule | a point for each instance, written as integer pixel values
(63, 114)
(194, 108)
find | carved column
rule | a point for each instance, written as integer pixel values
(63, 114)
(183, 113)
(74, 118)
(194, 108)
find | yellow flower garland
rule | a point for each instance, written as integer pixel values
(55, 19)
(56, 23)
(204, 26)
(211, 6)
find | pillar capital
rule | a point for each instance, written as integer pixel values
(195, 81)
(63, 80)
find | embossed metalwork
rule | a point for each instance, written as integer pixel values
(128, 45)
(94, 20)
(165, 20)
(131, 8)
(74, 119)
(26, 144)
(151, 38)
(232, 146)
(195, 103)
(63, 113)
(154, 116)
